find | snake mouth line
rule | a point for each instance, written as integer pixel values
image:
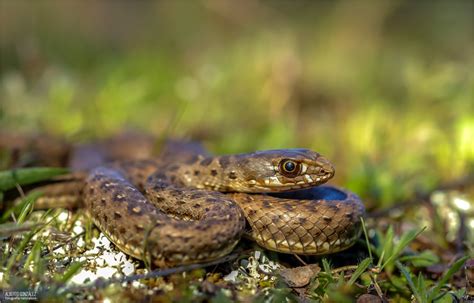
(304, 181)
(322, 192)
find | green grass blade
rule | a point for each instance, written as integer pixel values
(387, 246)
(326, 266)
(366, 235)
(421, 285)
(21, 247)
(424, 259)
(404, 241)
(70, 272)
(28, 206)
(412, 286)
(18, 209)
(446, 277)
(327, 270)
(360, 270)
(33, 256)
(10, 178)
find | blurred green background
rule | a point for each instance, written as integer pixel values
(382, 88)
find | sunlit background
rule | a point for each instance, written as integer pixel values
(384, 89)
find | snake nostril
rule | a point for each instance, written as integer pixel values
(325, 172)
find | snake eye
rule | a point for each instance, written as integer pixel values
(289, 168)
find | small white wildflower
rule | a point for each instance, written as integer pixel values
(84, 276)
(103, 241)
(232, 276)
(264, 268)
(121, 257)
(100, 262)
(128, 268)
(81, 243)
(46, 233)
(63, 216)
(106, 272)
(136, 284)
(110, 258)
(59, 250)
(257, 254)
(77, 230)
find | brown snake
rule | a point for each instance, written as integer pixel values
(193, 210)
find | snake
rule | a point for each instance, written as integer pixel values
(192, 207)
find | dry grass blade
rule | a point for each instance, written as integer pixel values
(9, 229)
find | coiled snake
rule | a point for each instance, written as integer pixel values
(195, 209)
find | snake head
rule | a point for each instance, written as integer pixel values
(281, 170)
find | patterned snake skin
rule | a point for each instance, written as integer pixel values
(190, 207)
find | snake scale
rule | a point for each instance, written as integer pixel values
(189, 206)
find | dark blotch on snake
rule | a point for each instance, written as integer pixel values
(157, 187)
(224, 161)
(350, 216)
(196, 173)
(105, 186)
(213, 172)
(159, 199)
(196, 195)
(327, 219)
(232, 175)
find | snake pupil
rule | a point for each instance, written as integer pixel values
(290, 166)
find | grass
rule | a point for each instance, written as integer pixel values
(384, 91)
(419, 287)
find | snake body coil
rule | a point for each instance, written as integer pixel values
(194, 210)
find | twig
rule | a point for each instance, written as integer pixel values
(299, 259)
